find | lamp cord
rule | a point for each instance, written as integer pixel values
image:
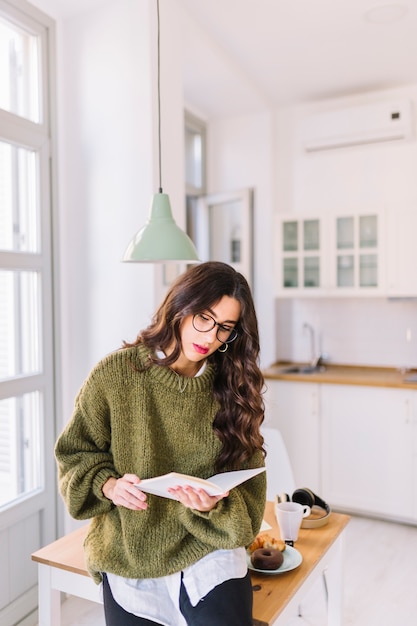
(159, 100)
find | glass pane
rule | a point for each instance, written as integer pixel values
(236, 245)
(20, 446)
(193, 159)
(225, 232)
(19, 71)
(368, 231)
(368, 270)
(19, 199)
(290, 236)
(311, 235)
(290, 273)
(312, 271)
(20, 347)
(345, 233)
(345, 270)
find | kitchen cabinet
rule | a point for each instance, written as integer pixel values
(293, 408)
(331, 254)
(368, 443)
(354, 445)
(356, 252)
(300, 254)
(401, 252)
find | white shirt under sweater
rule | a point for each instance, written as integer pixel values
(157, 599)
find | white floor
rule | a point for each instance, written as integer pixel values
(380, 581)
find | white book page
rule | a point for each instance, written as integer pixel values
(216, 485)
(228, 480)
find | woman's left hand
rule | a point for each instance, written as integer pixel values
(197, 499)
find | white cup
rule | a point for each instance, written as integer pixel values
(289, 517)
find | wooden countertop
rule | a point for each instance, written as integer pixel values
(344, 375)
(271, 594)
(66, 553)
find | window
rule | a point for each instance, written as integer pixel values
(195, 167)
(195, 155)
(22, 263)
(27, 393)
(19, 69)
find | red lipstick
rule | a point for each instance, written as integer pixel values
(200, 349)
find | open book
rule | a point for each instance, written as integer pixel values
(215, 485)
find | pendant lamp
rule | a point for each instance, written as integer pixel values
(160, 240)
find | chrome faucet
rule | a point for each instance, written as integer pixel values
(315, 361)
(310, 329)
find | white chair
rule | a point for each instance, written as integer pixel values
(280, 478)
(279, 474)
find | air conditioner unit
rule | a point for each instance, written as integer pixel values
(359, 125)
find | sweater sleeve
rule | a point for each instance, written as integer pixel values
(236, 520)
(83, 454)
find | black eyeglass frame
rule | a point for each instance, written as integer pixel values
(233, 334)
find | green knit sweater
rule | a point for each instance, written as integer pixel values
(147, 423)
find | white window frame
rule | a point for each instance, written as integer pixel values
(195, 124)
(40, 137)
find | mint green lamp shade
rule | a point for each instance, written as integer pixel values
(160, 240)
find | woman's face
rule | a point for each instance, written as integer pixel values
(197, 345)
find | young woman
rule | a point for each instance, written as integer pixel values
(186, 396)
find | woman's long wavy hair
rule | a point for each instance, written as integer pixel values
(238, 382)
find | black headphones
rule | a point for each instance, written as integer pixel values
(306, 496)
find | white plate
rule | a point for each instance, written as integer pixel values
(292, 559)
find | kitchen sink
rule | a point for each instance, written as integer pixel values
(302, 369)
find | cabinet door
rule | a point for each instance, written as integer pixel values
(401, 252)
(293, 408)
(341, 255)
(356, 252)
(367, 447)
(300, 254)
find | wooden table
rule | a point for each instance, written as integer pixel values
(276, 599)
(61, 568)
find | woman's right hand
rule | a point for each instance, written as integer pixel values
(122, 492)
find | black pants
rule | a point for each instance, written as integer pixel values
(229, 604)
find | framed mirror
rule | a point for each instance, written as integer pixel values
(221, 226)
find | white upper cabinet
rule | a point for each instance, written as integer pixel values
(357, 258)
(402, 252)
(300, 258)
(337, 254)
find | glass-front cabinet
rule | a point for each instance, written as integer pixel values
(300, 253)
(356, 253)
(332, 254)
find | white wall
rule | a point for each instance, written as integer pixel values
(107, 174)
(241, 155)
(367, 331)
(363, 331)
(374, 175)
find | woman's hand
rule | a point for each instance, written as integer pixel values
(197, 499)
(122, 492)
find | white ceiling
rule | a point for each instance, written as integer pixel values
(296, 50)
(244, 55)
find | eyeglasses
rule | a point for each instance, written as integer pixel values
(204, 323)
